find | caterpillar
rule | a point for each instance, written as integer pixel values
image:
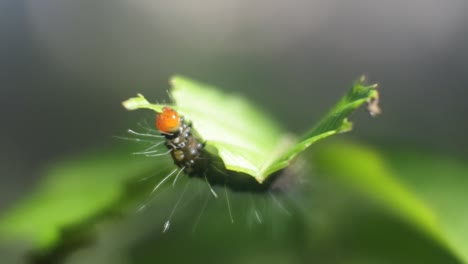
(190, 156)
(185, 149)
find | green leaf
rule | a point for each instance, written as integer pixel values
(247, 140)
(140, 102)
(442, 182)
(428, 191)
(72, 192)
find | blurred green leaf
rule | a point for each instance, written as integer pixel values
(78, 190)
(336, 226)
(442, 182)
(434, 201)
(72, 192)
(247, 140)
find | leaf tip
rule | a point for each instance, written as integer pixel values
(373, 96)
(176, 79)
(362, 79)
(173, 80)
(134, 102)
(373, 102)
(346, 126)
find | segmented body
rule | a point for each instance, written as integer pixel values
(185, 148)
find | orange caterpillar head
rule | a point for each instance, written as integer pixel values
(168, 121)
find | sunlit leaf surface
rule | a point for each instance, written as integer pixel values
(247, 140)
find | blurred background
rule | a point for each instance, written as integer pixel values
(67, 65)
